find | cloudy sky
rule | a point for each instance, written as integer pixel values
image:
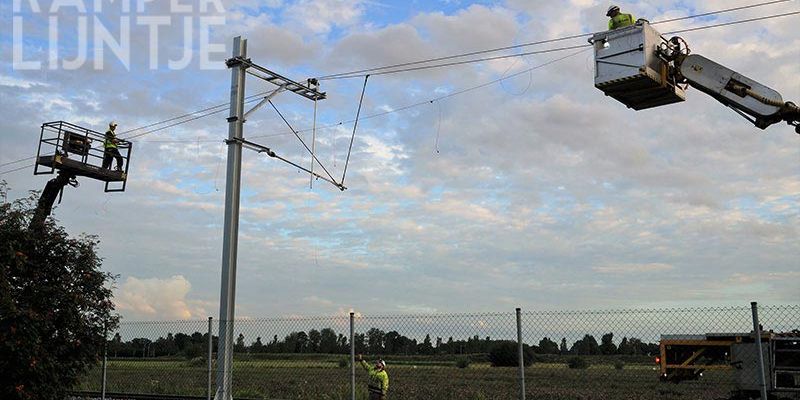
(537, 192)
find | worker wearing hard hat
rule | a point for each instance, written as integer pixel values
(618, 19)
(378, 384)
(110, 148)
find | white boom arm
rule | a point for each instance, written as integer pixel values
(759, 104)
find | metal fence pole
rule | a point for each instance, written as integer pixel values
(757, 330)
(521, 356)
(105, 361)
(210, 353)
(352, 358)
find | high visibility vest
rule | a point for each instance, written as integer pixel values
(378, 380)
(110, 142)
(620, 21)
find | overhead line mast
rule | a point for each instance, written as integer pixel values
(240, 66)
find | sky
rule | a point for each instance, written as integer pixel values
(536, 192)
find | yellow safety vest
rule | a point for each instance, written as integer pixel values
(378, 380)
(110, 142)
(620, 21)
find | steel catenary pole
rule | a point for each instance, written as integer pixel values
(521, 356)
(757, 331)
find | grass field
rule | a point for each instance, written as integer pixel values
(323, 378)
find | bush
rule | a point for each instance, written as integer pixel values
(343, 363)
(577, 363)
(619, 364)
(504, 354)
(462, 362)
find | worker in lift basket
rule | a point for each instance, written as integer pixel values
(618, 19)
(110, 148)
(378, 384)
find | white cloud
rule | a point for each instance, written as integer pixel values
(154, 298)
(632, 268)
(320, 16)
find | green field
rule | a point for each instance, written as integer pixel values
(321, 377)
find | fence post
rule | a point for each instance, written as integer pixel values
(521, 356)
(105, 358)
(352, 358)
(210, 353)
(757, 330)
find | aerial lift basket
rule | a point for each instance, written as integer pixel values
(79, 151)
(629, 69)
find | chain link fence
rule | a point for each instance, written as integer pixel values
(690, 353)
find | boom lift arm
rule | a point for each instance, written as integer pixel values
(757, 103)
(640, 68)
(51, 192)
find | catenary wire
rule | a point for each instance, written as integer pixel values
(359, 73)
(470, 61)
(254, 97)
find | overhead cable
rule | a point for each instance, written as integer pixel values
(356, 73)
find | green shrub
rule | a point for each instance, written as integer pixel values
(619, 364)
(462, 362)
(577, 363)
(505, 354)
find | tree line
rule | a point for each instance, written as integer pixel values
(374, 341)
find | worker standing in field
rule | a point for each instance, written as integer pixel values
(618, 19)
(378, 384)
(110, 149)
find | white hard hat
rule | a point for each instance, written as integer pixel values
(381, 363)
(112, 123)
(612, 9)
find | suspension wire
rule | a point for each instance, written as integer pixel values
(574, 36)
(313, 156)
(700, 28)
(471, 61)
(355, 126)
(16, 161)
(449, 64)
(250, 99)
(471, 88)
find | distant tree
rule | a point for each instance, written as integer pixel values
(257, 346)
(547, 346)
(392, 342)
(360, 344)
(607, 345)
(327, 341)
(563, 348)
(302, 343)
(586, 346)
(505, 353)
(115, 345)
(314, 338)
(239, 346)
(375, 339)
(624, 347)
(426, 348)
(344, 346)
(55, 304)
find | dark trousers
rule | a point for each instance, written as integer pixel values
(112, 152)
(376, 396)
